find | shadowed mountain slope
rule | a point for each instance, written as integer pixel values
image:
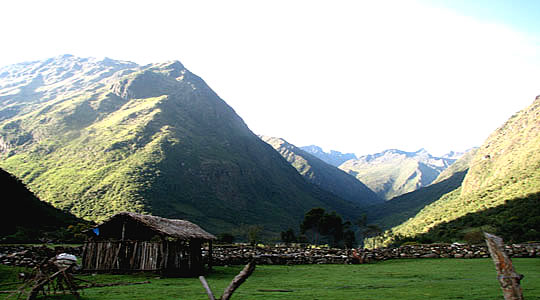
(24, 215)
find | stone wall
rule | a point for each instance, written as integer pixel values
(291, 256)
(29, 256)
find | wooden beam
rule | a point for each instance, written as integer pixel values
(507, 276)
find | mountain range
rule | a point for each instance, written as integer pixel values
(96, 137)
(324, 175)
(394, 172)
(401, 208)
(334, 158)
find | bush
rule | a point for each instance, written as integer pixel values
(474, 237)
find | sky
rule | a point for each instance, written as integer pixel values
(353, 76)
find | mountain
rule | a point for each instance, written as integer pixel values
(455, 154)
(326, 176)
(24, 217)
(399, 209)
(394, 172)
(506, 168)
(96, 137)
(334, 158)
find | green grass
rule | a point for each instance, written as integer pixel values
(395, 279)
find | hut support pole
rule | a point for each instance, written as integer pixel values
(210, 254)
(507, 276)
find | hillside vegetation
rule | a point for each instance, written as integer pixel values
(503, 170)
(516, 221)
(96, 137)
(324, 175)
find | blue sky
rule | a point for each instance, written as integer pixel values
(354, 76)
(521, 15)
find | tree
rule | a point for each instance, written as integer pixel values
(372, 231)
(329, 225)
(349, 237)
(253, 232)
(288, 236)
(312, 222)
(332, 226)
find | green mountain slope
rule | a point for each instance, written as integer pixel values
(326, 176)
(393, 172)
(24, 217)
(504, 168)
(516, 221)
(96, 137)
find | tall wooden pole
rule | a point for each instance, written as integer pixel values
(507, 276)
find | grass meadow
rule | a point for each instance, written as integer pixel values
(395, 279)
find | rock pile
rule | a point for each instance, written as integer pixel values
(280, 256)
(30, 256)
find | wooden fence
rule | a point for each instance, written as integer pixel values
(175, 258)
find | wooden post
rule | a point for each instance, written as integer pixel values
(507, 276)
(210, 254)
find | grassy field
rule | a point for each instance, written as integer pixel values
(396, 279)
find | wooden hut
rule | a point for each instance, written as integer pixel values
(130, 242)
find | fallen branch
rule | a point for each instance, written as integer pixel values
(238, 280)
(507, 276)
(10, 283)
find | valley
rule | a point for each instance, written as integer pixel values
(95, 137)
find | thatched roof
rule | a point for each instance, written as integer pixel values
(168, 227)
